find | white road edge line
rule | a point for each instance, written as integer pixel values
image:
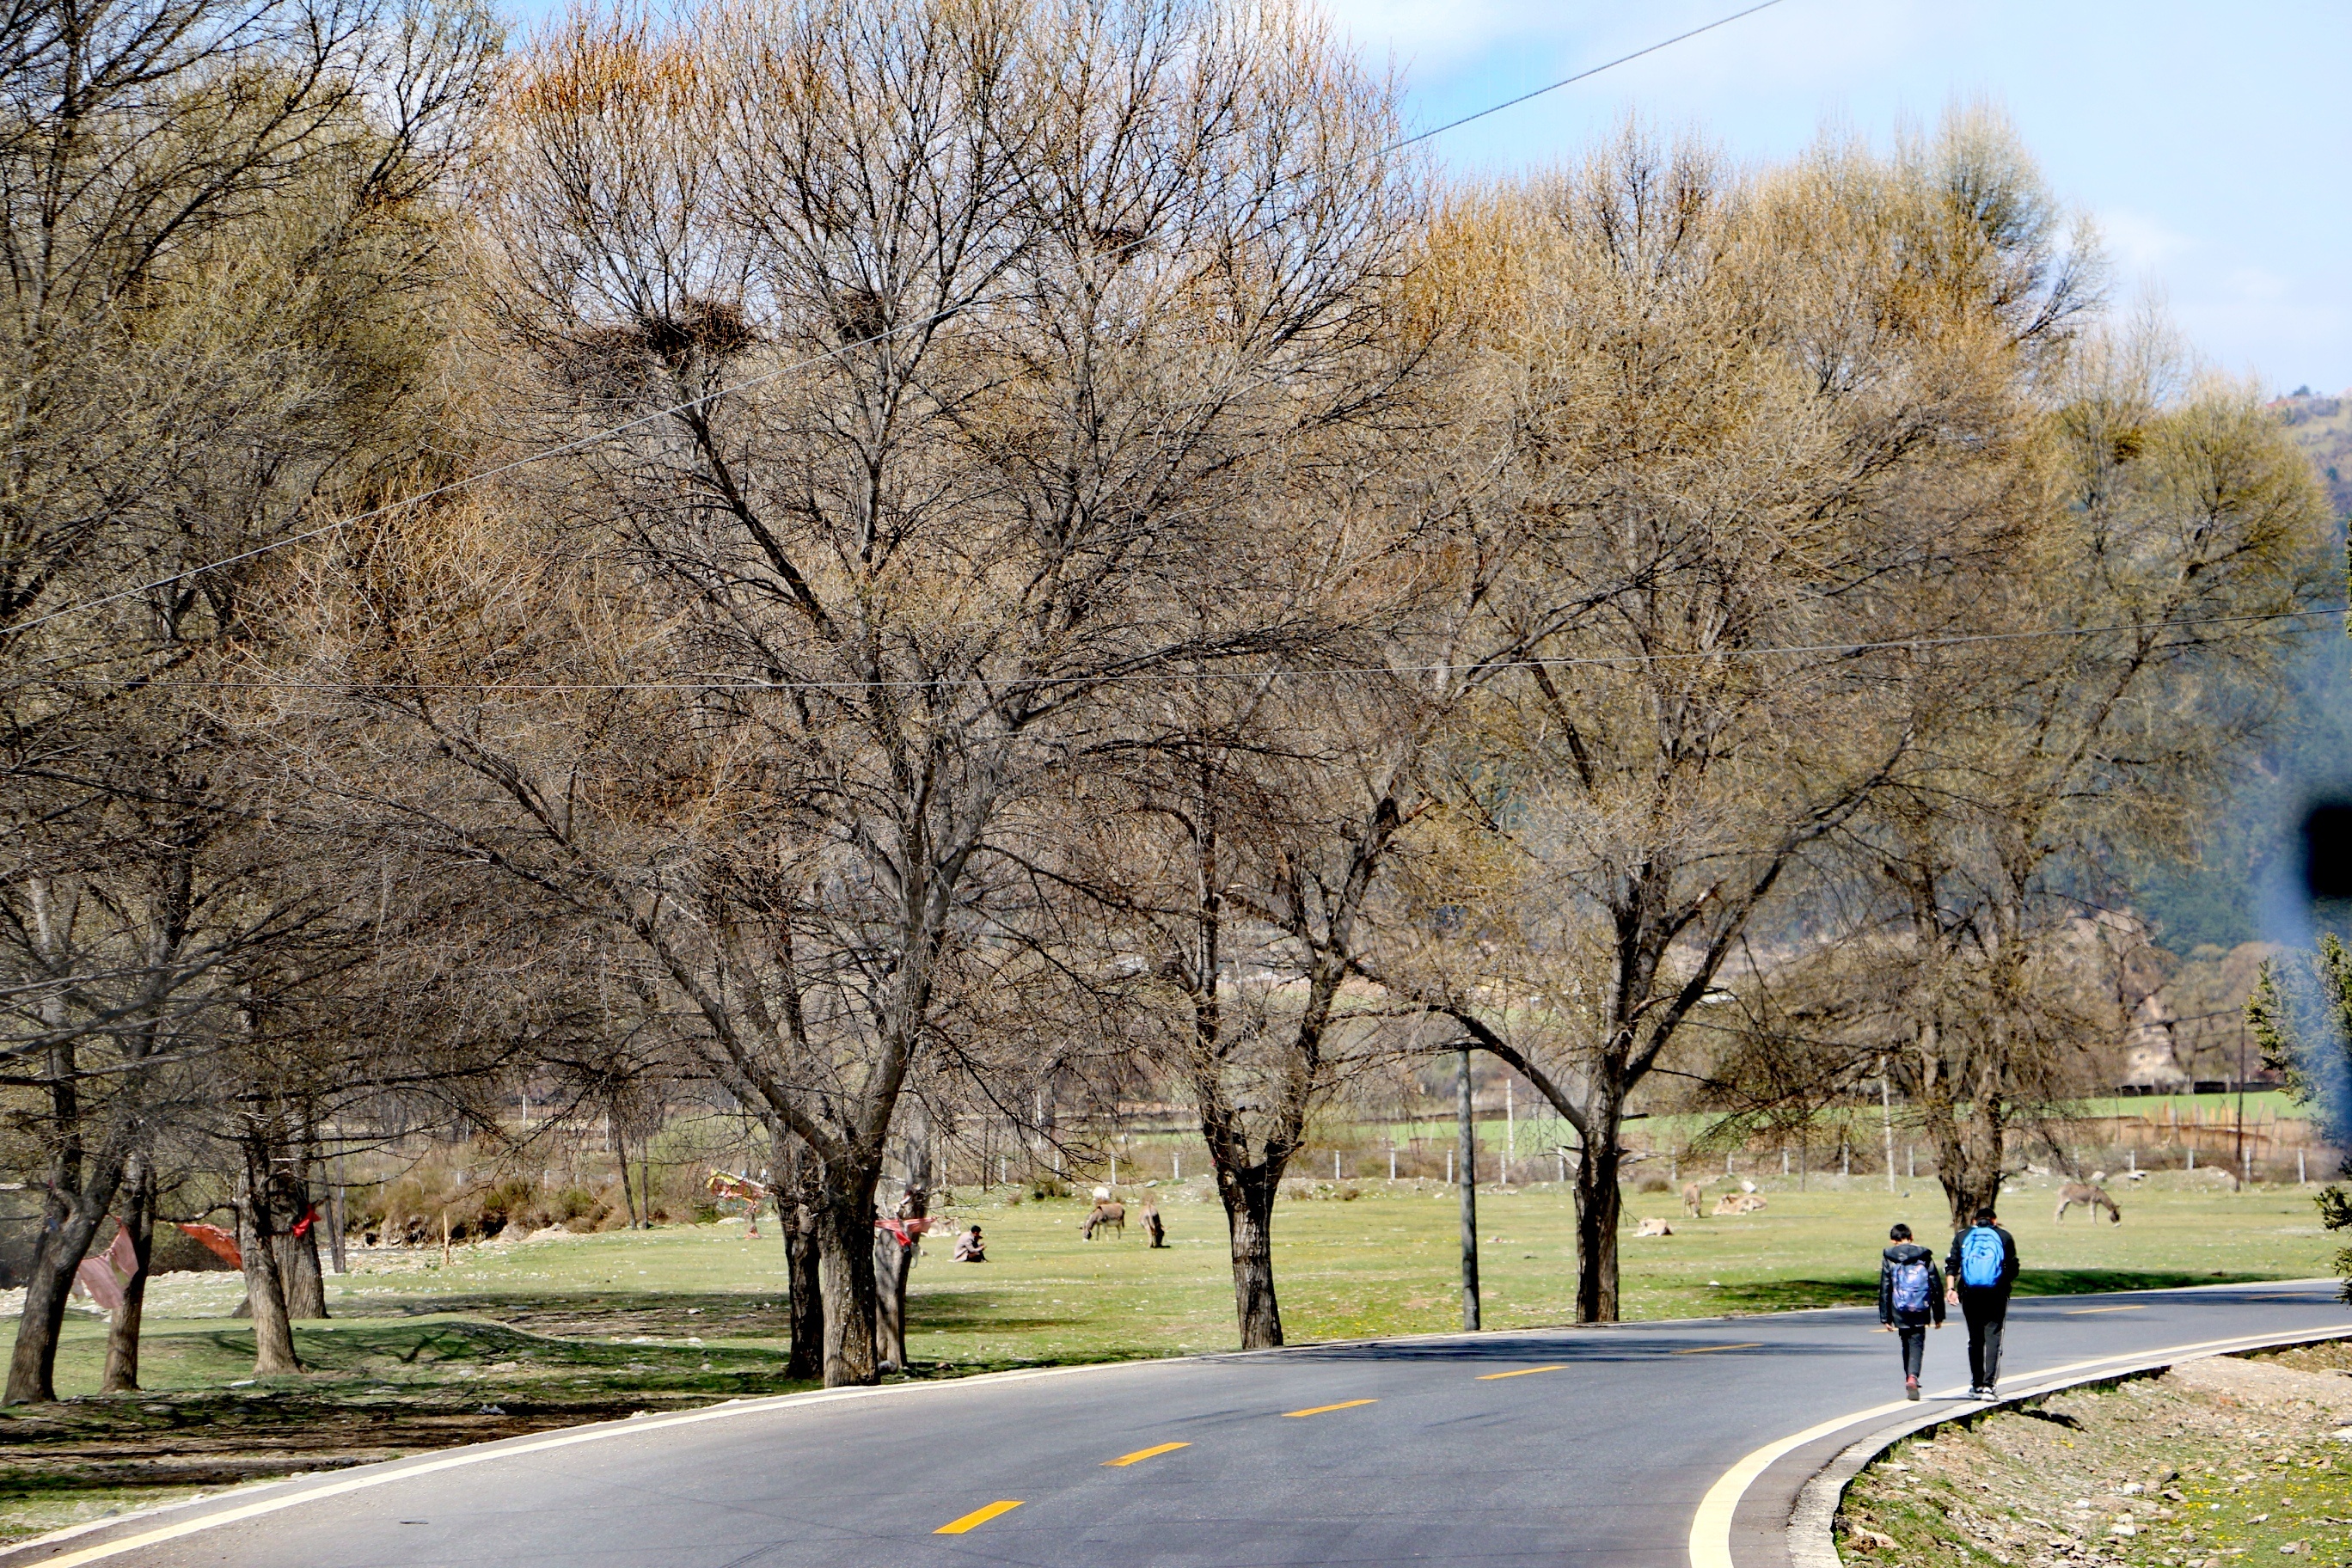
(1710, 1532)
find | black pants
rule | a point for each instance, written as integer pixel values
(1915, 1346)
(1986, 1307)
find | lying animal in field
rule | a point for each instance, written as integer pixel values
(1692, 1193)
(1739, 1203)
(1104, 1212)
(2090, 1197)
(1654, 1228)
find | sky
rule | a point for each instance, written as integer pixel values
(2211, 144)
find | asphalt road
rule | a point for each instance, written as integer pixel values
(1551, 1446)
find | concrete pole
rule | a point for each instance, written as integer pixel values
(1467, 1136)
(1887, 1121)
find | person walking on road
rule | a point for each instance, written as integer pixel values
(1983, 1265)
(1910, 1292)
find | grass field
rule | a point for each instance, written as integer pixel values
(1385, 1262)
(517, 1337)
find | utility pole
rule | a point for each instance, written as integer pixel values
(1886, 1120)
(1467, 1136)
(2242, 1097)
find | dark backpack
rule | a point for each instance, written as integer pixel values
(1911, 1279)
(1981, 1256)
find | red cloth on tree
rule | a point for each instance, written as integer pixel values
(905, 1230)
(218, 1242)
(102, 1277)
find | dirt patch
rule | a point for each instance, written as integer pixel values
(2219, 1460)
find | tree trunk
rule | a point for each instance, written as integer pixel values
(69, 1224)
(265, 1289)
(621, 1148)
(297, 1267)
(799, 1202)
(1968, 1147)
(846, 1248)
(1248, 1193)
(121, 1374)
(1599, 1207)
(298, 1255)
(893, 1262)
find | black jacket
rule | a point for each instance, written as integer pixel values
(2008, 1261)
(1905, 1252)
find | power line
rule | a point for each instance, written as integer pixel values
(1570, 81)
(583, 442)
(721, 683)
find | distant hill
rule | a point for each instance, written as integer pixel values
(2322, 426)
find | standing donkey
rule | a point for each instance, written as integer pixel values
(2090, 1197)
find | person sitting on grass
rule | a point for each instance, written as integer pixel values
(1910, 1292)
(969, 1247)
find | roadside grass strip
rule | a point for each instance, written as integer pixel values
(1322, 1409)
(977, 1517)
(1142, 1454)
(1522, 1371)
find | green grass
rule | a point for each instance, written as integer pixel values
(1386, 1263)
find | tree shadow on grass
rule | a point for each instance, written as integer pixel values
(605, 1311)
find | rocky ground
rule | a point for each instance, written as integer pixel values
(2215, 1461)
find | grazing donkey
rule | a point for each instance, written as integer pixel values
(1104, 1212)
(2090, 1197)
(1692, 1193)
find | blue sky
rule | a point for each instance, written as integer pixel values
(2212, 143)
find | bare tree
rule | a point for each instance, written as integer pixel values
(215, 233)
(955, 333)
(1751, 435)
(2141, 633)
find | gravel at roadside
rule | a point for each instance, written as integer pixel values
(2216, 1462)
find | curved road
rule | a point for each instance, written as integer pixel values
(1544, 1447)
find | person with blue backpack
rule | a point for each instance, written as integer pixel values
(1983, 1267)
(1910, 1293)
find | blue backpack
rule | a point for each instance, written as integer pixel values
(1911, 1286)
(1981, 1256)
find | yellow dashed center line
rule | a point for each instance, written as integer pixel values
(977, 1518)
(1709, 1350)
(2086, 1312)
(1523, 1372)
(1343, 1405)
(1141, 1454)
